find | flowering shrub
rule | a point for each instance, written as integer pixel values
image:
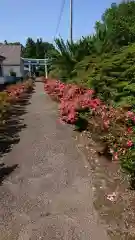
(12, 94)
(115, 126)
(4, 104)
(16, 90)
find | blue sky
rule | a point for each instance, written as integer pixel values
(38, 18)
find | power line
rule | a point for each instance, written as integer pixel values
(60, 16)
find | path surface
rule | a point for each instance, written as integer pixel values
(49, 195)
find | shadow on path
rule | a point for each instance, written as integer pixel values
(9, 134)
(5, 171)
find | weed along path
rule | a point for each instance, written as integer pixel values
(49, 195)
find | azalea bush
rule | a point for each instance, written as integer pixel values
(114, 126)
(4, 105)
(16, 90)
(11, 95)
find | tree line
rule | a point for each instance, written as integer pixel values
(34, 49)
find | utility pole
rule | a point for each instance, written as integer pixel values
(71, 21)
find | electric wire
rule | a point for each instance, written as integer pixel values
(59, 19)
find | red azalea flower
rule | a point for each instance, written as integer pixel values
(130, 143)
(129, 130)
(133, 118)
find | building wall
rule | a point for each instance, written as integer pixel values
(1, 72)
(1, 68)
(8, 68)
(2, 80)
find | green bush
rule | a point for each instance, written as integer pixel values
(112, 76)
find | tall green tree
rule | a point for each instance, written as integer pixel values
(38, 48)
(30, 49)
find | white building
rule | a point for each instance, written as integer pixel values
(12, 61)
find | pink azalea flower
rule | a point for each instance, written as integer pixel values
(130, 114)
(115, 156)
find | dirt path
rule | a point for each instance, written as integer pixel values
(49, 195)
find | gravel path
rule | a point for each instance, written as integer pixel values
(49, 195)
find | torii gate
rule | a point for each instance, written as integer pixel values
(36, 62)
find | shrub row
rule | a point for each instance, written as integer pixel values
(114, 126)
(12, 94)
